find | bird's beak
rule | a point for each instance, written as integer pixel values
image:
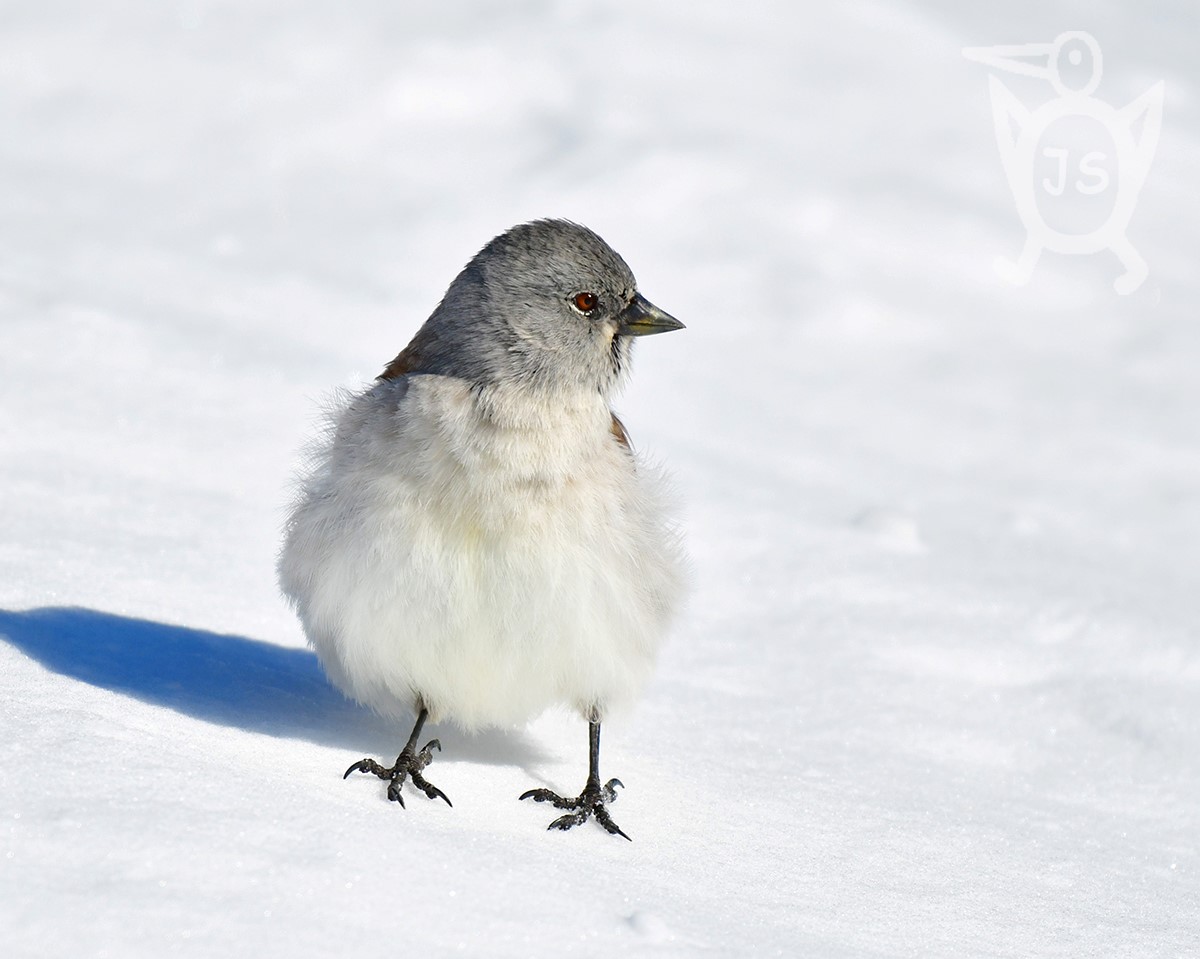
(641, 318)
(1015, 58)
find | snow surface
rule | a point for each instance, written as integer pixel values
(938, 689)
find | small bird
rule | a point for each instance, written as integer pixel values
(475, 539)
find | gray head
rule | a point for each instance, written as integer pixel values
(548, 304)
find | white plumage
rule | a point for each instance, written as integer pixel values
(484, 552)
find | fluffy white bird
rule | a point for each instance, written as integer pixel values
(475, 539)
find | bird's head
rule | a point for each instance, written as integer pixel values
(548, 305)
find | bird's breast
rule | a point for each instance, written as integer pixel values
(503, 457)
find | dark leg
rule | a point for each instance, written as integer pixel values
(409, 764)
(592, 802)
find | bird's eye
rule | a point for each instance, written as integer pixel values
(586, 302)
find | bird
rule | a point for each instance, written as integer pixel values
(474, 539)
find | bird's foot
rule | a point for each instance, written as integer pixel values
(409, 765)
(592, 803)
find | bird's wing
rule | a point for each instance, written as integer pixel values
(406, 361)
(617, 428)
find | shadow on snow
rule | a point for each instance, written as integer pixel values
(229, 680)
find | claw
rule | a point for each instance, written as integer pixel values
(367, 766)
(547, 795)
(430, 789)
(570, 819)
(407, 766)
(606, 821)
(591, 802)
(610, 791)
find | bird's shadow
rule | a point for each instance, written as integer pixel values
(231, 681)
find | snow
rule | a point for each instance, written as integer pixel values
(937, 692)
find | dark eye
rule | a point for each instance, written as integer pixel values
(586, 302)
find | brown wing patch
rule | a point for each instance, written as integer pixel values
(617, 428)
(406, 361)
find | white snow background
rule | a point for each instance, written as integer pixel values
(937, 692)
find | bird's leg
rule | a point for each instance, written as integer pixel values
(409, 764)
(593, 801)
